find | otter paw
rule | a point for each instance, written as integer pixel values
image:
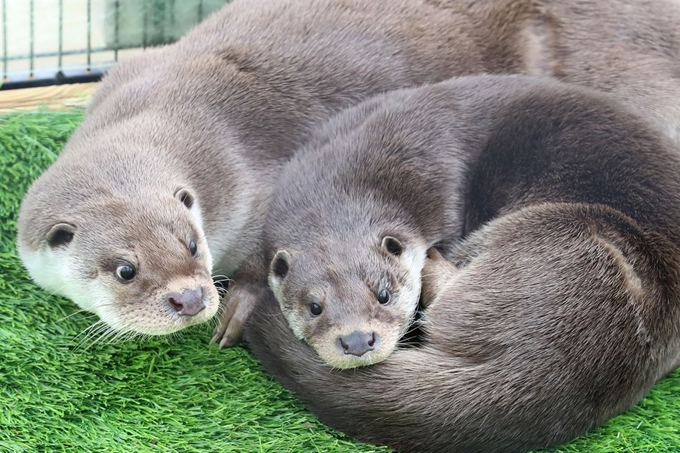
(236, 309)
(226, 334)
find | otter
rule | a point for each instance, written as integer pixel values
(216, 115)
(559, 306)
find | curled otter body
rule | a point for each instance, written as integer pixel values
(218, 113)
(558, 309)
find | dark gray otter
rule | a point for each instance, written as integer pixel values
(183, 144)
(559, 309)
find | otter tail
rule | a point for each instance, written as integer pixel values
(553, 319)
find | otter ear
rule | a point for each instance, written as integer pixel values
(60, 235)
(392, 245)
(186, 197)
(278, 269)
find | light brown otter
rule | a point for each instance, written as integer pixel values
(560, 306)
(219, 113)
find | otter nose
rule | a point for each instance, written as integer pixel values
(189, 303)
(357, 343)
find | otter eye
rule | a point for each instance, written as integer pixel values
(192, 247)
(383, 296)
(126, 272)
(315, 309)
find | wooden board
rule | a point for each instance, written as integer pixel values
(54, 97)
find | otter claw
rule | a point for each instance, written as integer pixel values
(224, 321)
(216, 336)
(228, 337)
(228, 341)
(237, 309)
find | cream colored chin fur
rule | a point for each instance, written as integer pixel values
(48, 269)
(326, 347)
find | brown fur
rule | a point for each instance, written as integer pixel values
(227, 105)
(561, 305)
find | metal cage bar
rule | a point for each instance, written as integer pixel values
(4, 40)
(89, 34)
(60, 61)
(31, 39)
(116, 13)
(128, 24)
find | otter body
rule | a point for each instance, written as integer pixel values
(199, 130)
(559, 306)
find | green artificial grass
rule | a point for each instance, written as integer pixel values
(176, 393)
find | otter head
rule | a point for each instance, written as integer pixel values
(350, 303)
(141, 263)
